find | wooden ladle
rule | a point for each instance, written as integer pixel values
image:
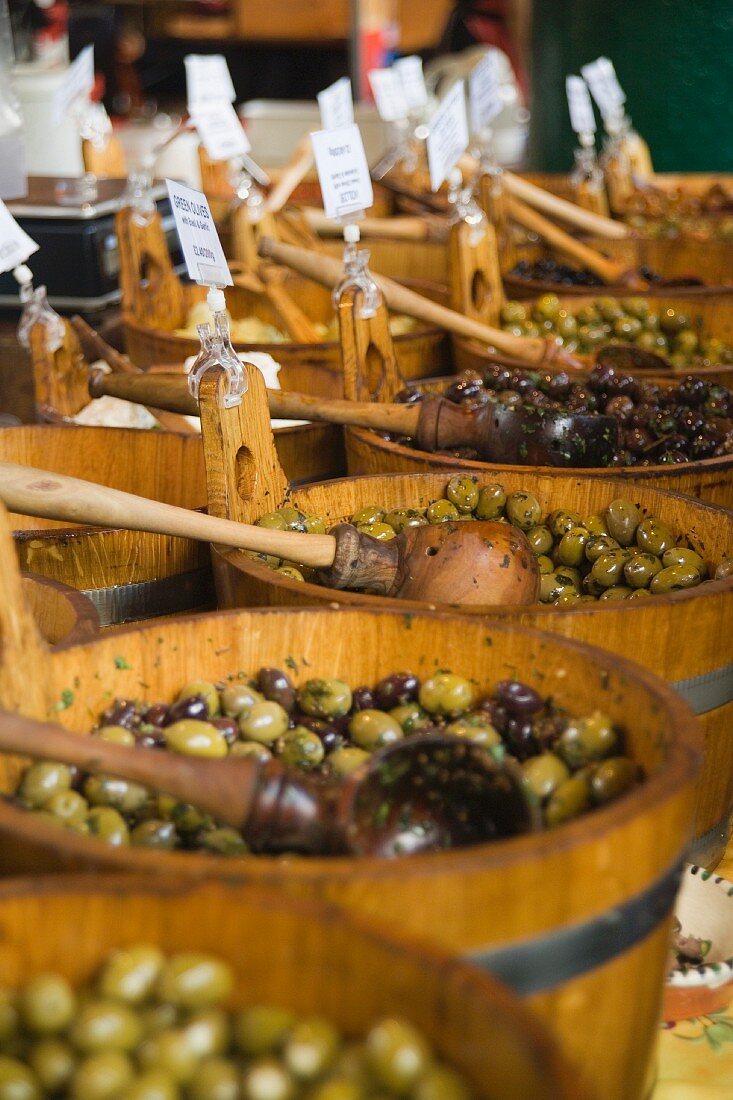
(499, 433)
(421, 794)
(447, 563)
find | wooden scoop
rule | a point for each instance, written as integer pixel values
(439, 792)
(425, 228)
(448, 563)
(517, 436)
(292, 174)
(568, 212)
(530, 350)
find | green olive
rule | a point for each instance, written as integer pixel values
(475, 728)
(310, 1048)
(513, 313)
(215, 1079)
(300, 748)
(608, 569)
(654, 537)
(155, 834)
(294, 519)
(223, 841)
(568, 800)
(491, 501)
(571, 548)
(370, 513)
(239, 697)
(546, 565)
(446, 694)
(158, 1017)
(46, 1004)
(372, 729)
(616, 592)
(325, 698)
(627, 328)
(640, 569)
(104, 1025)
(250, 748)
(264, 722)
(345, 761)
(120, 794)
(43, 779)
(186, 817)
(53, 1061)
(674, 578)
(290, 571)
(560, 522)
(170, 1052)
(724, 570)
(595, 525)
(637, 307)
(273, 521)
(101, 1076)
(523, 510)
(540, 540)
(680, 555)
(205, 688)
(108, 825)
(463, 492)
(612, 777)
(410, 717)
(267, 1079)
(585, 740)
(130, 974)
(544, 773)
(547, 307)
(207, 1032)
(553, 585)
(261, 1029)
(17, 1081)
(623, 517)
(337, 1088)
(380, 531)
(566, 325)
(398, 1055)
(686, 342)
(155, 1084)
(588, 315)
(116, 735)
(68, 806)
(194, 981)
(191, 737)
(441, 511)
(401, 518)
(639, 593)
(314, 525)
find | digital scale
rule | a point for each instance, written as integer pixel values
(78, 258)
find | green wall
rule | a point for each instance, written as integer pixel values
(674, 60)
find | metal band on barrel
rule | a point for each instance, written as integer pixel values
(128, 603)
(538, 964)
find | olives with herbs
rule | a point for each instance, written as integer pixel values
(151, 1027)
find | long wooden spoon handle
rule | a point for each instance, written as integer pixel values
(611, 271)
(294, 171)
(329, 271)
(398, 229)
(568, 212)
(35, 492)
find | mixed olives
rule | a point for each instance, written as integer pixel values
(620, 553)
(666, 331)
(547, 269)
(157, 1027)
(659, 424)
(328, 728)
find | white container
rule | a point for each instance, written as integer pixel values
(52, 148)
(275, 126)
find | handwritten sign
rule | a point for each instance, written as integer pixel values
(343, 171)
(77, 84)
(409, 70)
(582, 119)
(484, 93)
(448, 136)
(15, 244)
(208, 79)
(336, 105)
(202, 251)
(220, 130)
(389, 95)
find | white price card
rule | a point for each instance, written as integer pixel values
(484, 93)
(336, 105)
(448, 136)
(220, 130)
(207, 79)
(409, 70)
(389, 95)
(343, 171)
(202, 251)
(15, 244)
(582, 119)
(607, 92)
(77, 84)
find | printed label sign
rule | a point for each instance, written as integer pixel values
(342, 170)
(389, 95)
(336, 105)
(607, 91)
(409, 70)
(582, 119)
(77, 83)
(448, 136)
(220, 130)
(484, 93)
(208, 79)
(202, 251)
(15, 244)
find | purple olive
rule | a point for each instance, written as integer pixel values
(149, 738)
(400, 687)
(228, 727)
(332, 734)
(193, 706)
(468, 385)
(520, 738)
(123, 712)
(518, 698)
(621, 406)
(497, 713)
(276, 686)
(362, 698)
(411, 395)
(156, 714)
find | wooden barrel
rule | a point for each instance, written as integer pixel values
(572, 919)
(63, 615)
(424, 261)
(713, 315)
(712, 262)
(305, 957)
(694, 183)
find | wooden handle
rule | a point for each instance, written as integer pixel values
(611, 271)
(368, 358)
(152, 294)
(329, 271)
(156, 391)
(477, 289)
(25, 678)
(397, 229)
(292, 174)
(566, 211)
(60, 376)
(299, 325)
(36, 492)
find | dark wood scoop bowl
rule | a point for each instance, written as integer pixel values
(422, 794)
(517, 436)
(471, 563)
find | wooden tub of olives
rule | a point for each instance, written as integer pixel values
(248, 989)
(532, 908)
(238, 442)
(156, 304)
